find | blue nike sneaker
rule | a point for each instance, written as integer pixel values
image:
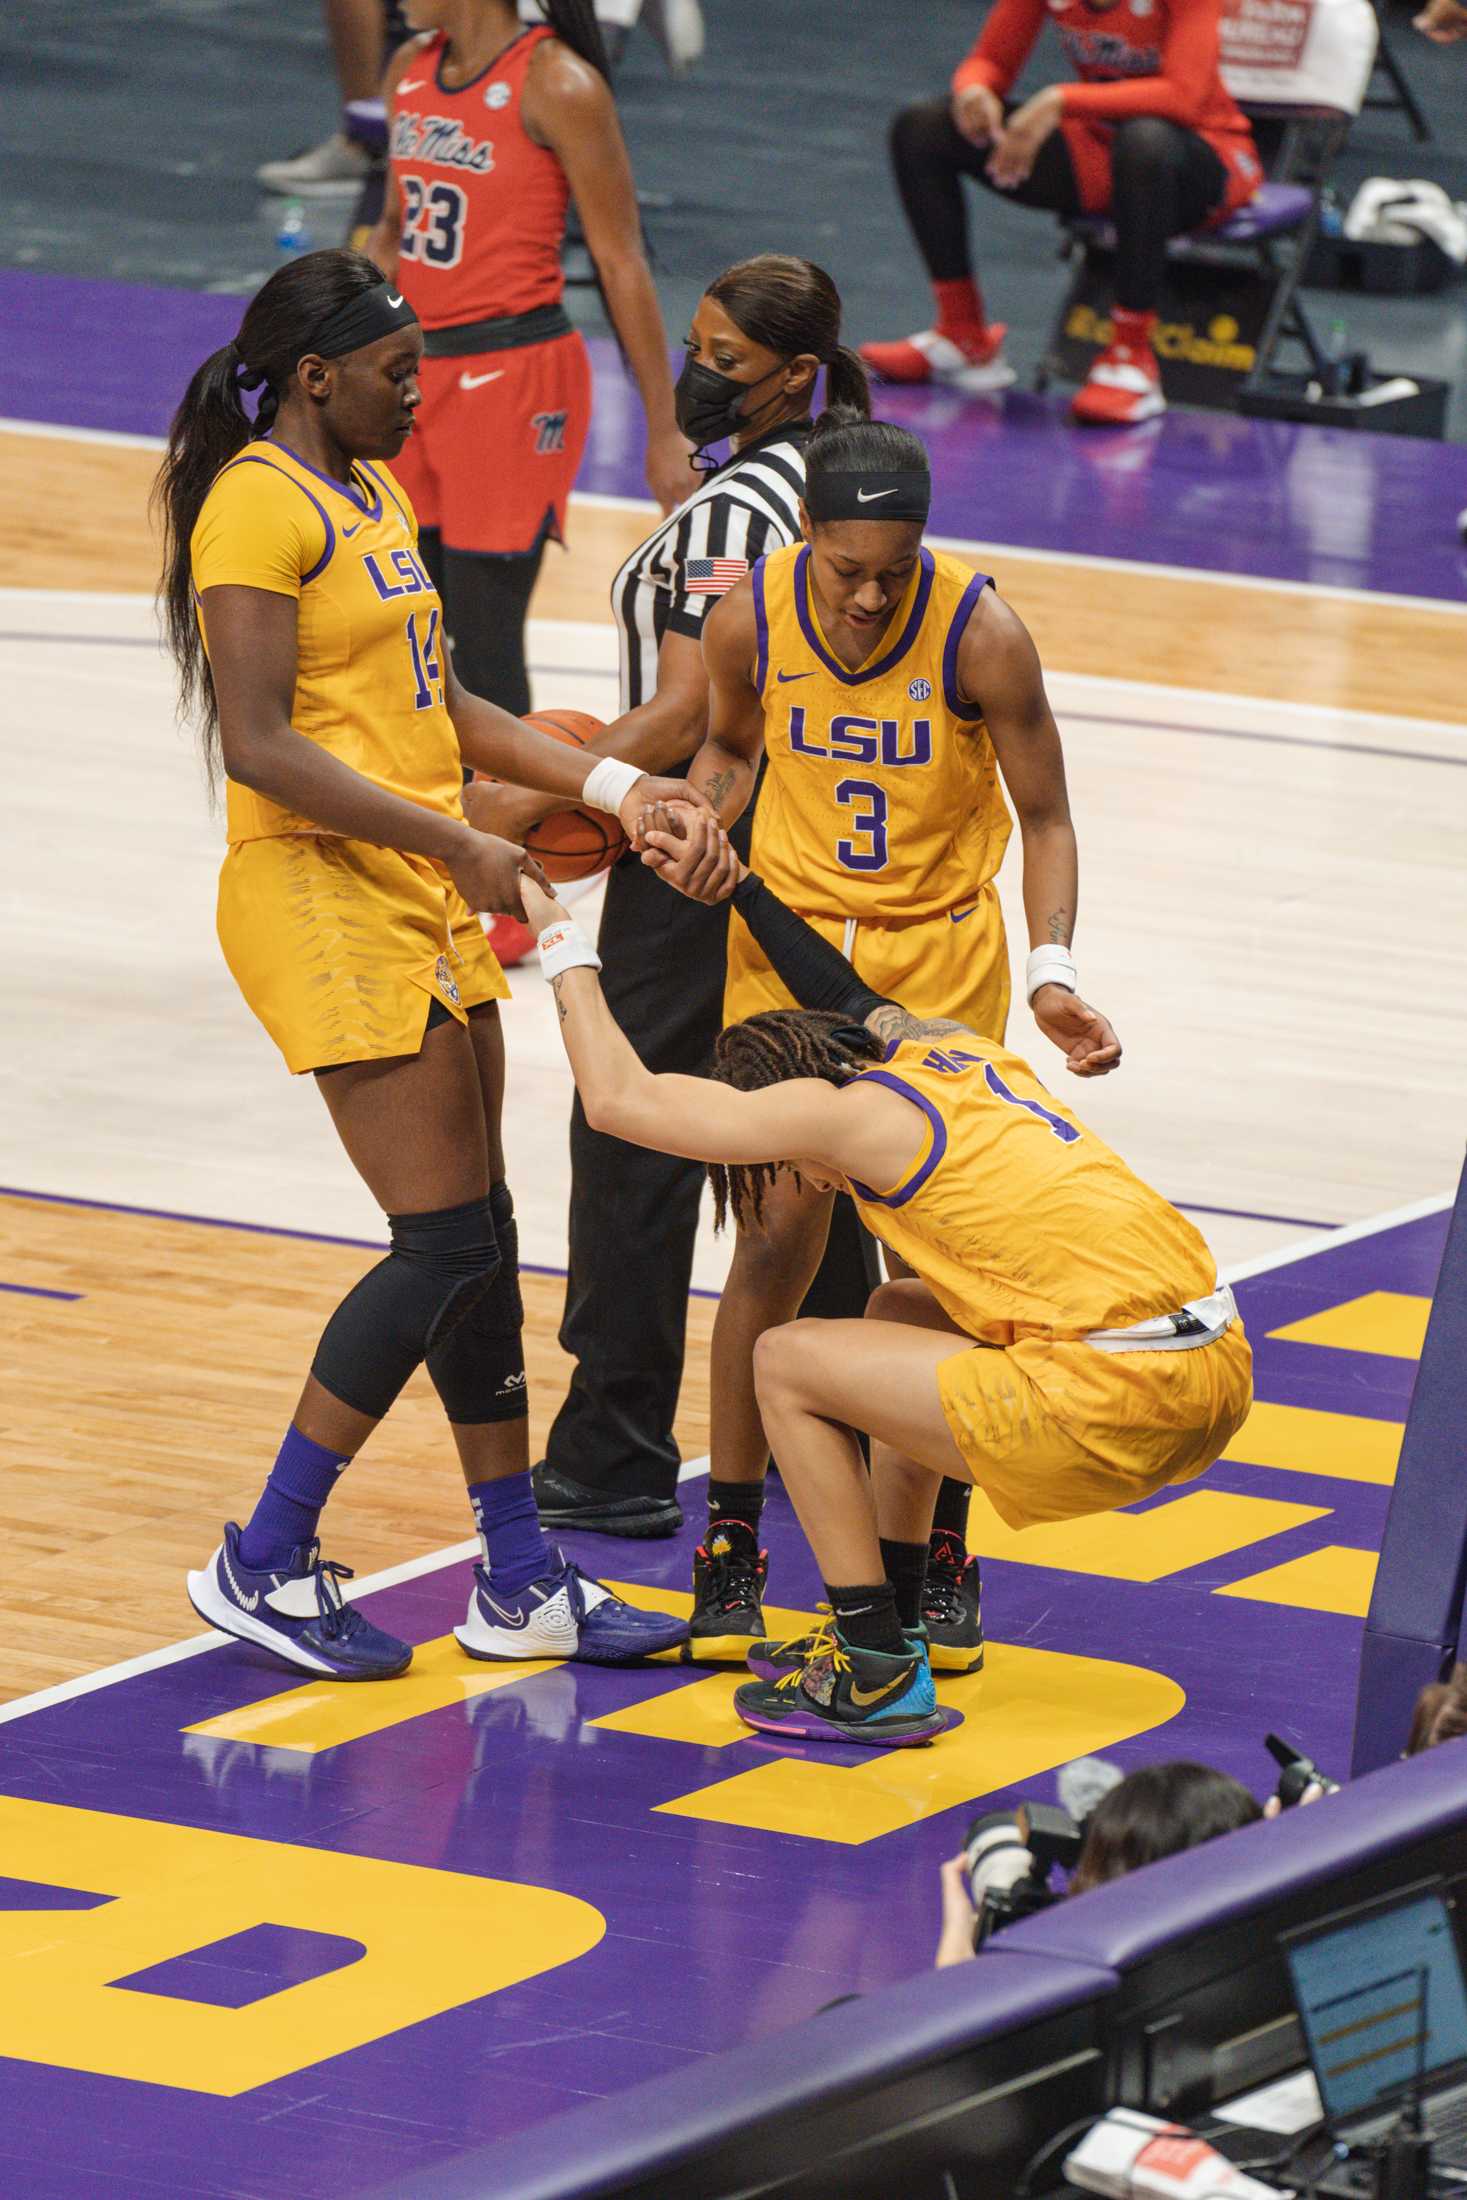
(298, 1612)
(873, 1698)
(563, 1615)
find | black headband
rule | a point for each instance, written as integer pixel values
(868, 495)
(372, 313)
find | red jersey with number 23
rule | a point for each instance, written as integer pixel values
(483, 206)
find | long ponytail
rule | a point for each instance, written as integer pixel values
(212, 424)
(208, 429)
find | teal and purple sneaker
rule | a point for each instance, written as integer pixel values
(870, 1698)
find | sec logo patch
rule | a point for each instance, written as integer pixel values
(919, 690)
(496, 95)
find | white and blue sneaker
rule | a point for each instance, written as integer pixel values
(563, 1615)
(297, 1611)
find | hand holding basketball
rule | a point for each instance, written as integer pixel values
(510, 813)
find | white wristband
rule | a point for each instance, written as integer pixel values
(564, 946)
(609, 783)
(1049, 966)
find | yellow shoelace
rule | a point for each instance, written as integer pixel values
(814, 1643)
(832, 1650)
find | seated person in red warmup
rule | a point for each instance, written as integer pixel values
(1149, 136)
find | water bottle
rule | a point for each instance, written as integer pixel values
(1331, 216)
(1336, 358)
(293, 236)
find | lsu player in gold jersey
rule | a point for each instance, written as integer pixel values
(893, 695)
(1060, 1339)
(309, 638)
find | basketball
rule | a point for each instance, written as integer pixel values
(573, 843)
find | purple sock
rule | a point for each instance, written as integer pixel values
(515, 1551)
(301, 1480)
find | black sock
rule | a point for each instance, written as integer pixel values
(951, 1509)
(867, 1617)
(736, 1501)
(906, 1570)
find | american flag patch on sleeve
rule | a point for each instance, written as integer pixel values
(713, 576)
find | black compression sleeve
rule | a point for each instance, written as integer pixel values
(816, 973)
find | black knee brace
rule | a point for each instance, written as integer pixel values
(479, 1369)
(410, 1306)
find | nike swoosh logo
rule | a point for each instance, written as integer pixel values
(961, 916)
(863, 1698)
(477, 381)
(413, 84)
(783, 676)
(348, 532)
(394, 299)
(874, 497)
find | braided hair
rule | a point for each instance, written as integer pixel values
(212, 425)
(769, 1050)
(574, 24)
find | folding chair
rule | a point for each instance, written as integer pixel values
(1307, 89)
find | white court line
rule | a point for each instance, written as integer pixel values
(593, 636)
(598, 500)
(411, 1569)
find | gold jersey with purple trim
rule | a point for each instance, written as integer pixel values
(369, 638)
(882, 797)
(1020, 1220)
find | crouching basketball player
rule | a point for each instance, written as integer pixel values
(1063, 1341)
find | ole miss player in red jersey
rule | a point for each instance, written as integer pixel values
(491, 127)
(1149, 136)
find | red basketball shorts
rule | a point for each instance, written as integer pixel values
(1088, 145)
(496, 444)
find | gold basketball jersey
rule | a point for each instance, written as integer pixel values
(369, 647)
(882, 797)
(1020, 1220)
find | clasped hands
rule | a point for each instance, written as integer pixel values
(689, 849)
(978, 115)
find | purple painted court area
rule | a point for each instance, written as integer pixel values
(1208, 491)
(714, 1932)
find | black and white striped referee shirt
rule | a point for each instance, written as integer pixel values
(750, 505)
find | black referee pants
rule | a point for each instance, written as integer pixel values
(634, 1214)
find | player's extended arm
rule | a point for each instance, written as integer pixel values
(569, 107)
(725, 768)
(999, 675)
(692, 1116)
(252, 660)
(491, 740)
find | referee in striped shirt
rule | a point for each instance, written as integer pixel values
(760, 336)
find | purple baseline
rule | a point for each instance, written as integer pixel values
(1210, 492)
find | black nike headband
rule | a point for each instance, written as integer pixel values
(868, 495)
(379, 311)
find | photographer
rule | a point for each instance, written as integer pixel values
(1156, 1811)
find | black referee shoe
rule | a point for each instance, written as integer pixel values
(565, 1503)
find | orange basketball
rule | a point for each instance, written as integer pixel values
(573, 843)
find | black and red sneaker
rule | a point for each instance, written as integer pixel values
(729, 1572)
(952, 1606)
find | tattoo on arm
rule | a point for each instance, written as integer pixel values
(1061, 927)
(718, 788)
(893, 1025)
(559, 998)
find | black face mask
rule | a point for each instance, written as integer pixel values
(708, 405)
